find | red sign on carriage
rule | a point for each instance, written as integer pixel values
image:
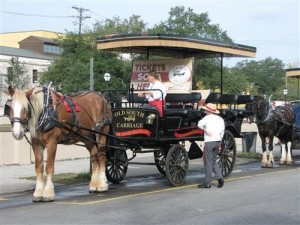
(176, 74)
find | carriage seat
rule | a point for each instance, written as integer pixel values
(185, 104)
(213, 98)
(134, 98)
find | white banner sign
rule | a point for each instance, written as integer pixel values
(176, 74)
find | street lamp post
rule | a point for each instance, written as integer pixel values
(285, 92)
(106, 76)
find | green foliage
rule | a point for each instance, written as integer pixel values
(118, 26)
(16, 75)
(183, 21)
(72, 69)
(264, 77)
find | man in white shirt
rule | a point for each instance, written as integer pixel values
(213, 126)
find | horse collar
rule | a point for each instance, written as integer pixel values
(266, 117)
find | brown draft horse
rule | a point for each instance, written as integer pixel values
(271, 122)
(44, 113)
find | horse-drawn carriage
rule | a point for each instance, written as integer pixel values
(108, 128)
(144, 130)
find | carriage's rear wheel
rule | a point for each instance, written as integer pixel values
(116, 165)
(227, 155)
(177, 163)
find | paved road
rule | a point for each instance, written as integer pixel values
(251, 195)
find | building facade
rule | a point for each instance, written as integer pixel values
(35, 53)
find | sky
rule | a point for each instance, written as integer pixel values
(272, 26)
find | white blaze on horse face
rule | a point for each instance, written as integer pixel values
(17, 129)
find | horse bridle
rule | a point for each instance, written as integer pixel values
(266, 115)
(24, 122)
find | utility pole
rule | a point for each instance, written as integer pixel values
(81, 17)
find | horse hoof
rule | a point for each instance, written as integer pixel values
(263, 165)
(100, 190)
(48, 199)
(92, 190)
(37, 199)
(289, 163)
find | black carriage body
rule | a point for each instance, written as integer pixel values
(133, 121)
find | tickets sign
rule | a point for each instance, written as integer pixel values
(176, 74)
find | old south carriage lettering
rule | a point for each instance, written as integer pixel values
(129, 119)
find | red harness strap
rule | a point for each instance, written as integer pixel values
(69, 105)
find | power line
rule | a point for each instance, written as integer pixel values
(33, 15)
(81, 17)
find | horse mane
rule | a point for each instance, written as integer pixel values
(36, 102)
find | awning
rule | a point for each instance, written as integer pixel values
(295, 72)
(174, 46)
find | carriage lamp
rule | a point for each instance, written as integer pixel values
(107, 76)
(285, 92)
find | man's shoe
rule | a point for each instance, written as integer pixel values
(204, 185)
(220, 182)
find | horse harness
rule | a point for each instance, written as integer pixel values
(278, 114)
(49, 118)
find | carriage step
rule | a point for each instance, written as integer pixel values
(141, 163)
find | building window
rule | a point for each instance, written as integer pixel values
(34, 76)
(54, 49)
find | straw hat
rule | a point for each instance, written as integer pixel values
(211, 108)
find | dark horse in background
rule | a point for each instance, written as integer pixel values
(54, 119)
(271, 122)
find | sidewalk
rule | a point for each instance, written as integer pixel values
(11, 176)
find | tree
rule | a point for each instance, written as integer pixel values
(116, 25)
(72, 69)
(183, 21)
(17, 76)
(264, 76)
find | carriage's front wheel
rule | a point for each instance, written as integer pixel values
(227, 155)
(160, 159)
(116, 165)
(177, 164)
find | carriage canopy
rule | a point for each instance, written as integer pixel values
(173, 46)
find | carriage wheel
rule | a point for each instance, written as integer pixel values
(160, 159)
(227, 154)
(116, 165)
(177, 164)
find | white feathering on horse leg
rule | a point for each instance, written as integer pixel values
(264, 160)
(48, 194)
(289, 160)
(270, 163)
(93, 183)
(283, 158)
(39, 188)
(102, 185)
